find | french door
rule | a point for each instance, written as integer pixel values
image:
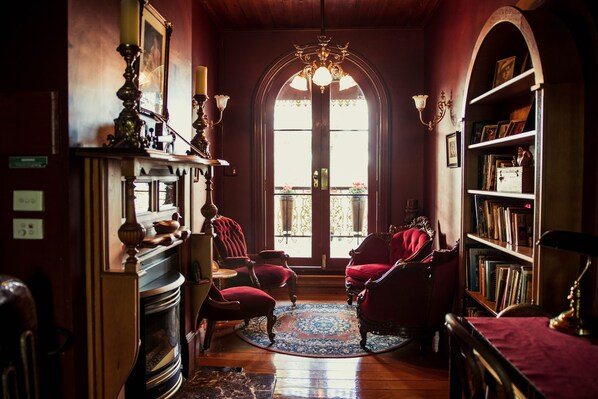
(322, 179)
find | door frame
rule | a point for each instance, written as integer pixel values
(374, 90)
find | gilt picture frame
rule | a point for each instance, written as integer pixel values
(504, 71)
(153, 63)
(453, 150)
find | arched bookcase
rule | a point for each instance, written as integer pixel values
(542, 101)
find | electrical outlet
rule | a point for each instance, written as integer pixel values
(28, 229)
(27, 200)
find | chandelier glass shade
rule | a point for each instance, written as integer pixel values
(322, 62)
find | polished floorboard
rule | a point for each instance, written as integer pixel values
(403, 373)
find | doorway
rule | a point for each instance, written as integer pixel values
(320, 160)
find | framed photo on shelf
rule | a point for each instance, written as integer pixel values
(153, 63)
(453, 150)
(502, 128)
(516, 127)
(504, 70)
(489, 132)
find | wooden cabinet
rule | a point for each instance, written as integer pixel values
(546, 94)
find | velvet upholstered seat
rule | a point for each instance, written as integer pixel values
(236, 303)
(266, 270)
(380, 251)
(411, 299)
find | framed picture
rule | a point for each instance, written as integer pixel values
(516, 127)
(453, 149)
(476, 131)
(502, 128)
(153, 63)
(504, 70)
(489, 132)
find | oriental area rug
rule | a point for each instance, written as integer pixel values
(227, 383)
(316, 330)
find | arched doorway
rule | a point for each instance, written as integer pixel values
(323, 165)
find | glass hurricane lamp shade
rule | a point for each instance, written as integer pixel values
(322, 76)
(420, 101)
(221, 101)
(346, 82)
(299, 82)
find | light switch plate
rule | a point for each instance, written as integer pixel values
(28, 200)
(28, 229)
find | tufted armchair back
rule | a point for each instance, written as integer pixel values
(410, 243)
(229, 240)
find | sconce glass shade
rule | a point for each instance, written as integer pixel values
(346, 82)
(420, 101)
(221, 101)
(299, 82)
(322, 76)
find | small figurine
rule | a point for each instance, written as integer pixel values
(524, 158)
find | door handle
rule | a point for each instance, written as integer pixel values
(315, 178)
(324, 179)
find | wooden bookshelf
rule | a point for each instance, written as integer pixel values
(547, 88)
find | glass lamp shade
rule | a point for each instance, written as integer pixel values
(221, 101)
(322, 77)
(420, 101)
(346, 82)
(299, 83)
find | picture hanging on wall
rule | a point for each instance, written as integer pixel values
(153, 63)
(453, 149)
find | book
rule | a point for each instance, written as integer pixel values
(473, 271)
(501, 284)
(490, 267)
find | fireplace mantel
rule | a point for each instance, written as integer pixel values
(114, 239)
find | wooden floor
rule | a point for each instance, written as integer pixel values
(403, 373)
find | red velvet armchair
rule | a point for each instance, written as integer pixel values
(236, 303)
(411, 299)
(380, 251)
(266, 270)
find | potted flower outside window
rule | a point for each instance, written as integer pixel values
(358, 205)
(287, 200)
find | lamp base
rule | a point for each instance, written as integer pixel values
(568, 323)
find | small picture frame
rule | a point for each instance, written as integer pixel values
(453, 150)
(153, 63)
(504, 70)
(476, 132)
(489, 132)
(516, 127)
(502, 128)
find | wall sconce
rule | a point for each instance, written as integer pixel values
(571, 321)
(443, 104)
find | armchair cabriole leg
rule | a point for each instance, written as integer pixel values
(364, 335)
(350, 299)
(292, 286)
(270, 324)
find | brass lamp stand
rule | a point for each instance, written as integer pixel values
(572, 321)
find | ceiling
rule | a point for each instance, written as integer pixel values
(296, 14)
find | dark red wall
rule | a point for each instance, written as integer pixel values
(397, 56)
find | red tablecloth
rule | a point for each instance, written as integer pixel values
(558, 364)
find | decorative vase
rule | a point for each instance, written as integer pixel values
(357, 212)
(286, 212)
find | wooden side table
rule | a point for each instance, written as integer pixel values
(222, 274)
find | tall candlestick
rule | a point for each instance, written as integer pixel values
(129, 22)
(201, 80)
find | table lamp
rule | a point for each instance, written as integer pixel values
(571, 321)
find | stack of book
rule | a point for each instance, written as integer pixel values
(504, 220)
(499, 280)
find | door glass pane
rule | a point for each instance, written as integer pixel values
(292, 172)
(348, 170)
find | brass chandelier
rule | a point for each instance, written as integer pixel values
(319, 69)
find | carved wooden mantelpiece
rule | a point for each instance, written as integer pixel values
(115, 240)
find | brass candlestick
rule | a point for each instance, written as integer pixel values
(199, 141)
(128, 125)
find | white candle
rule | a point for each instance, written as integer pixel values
(201, 80)
(129, 22)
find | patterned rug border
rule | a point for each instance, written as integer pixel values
(240, 331)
